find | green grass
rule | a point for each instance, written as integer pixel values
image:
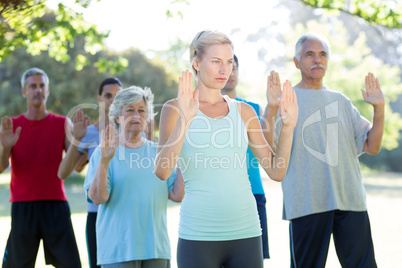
(73, 187)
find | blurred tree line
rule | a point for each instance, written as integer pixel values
(30, 24)
(365, 36)
(386, 13)
(359, 44)
(70, 87)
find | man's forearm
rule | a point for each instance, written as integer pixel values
(4, 158)
(374, 137)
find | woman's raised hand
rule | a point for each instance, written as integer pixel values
(108, 143)
(188, 98)
(289, 111)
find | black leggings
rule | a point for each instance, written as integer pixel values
(241, 253)
(91, 239)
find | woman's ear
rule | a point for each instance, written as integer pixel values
(196, 65)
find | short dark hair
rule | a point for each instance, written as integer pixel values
(236, 60)
(108, 81)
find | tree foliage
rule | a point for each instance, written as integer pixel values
(70, 88)
(174, 57)
(350, 62)
(385, 13)
(30, 24)
(174, 10)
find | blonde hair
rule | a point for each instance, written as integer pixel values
(204, 39)
(132, 94)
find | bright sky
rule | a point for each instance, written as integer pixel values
(144, 25)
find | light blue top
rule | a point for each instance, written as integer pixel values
(253, 167)
(131, 225)
(324, 172)
(218, 204)
(88, 144)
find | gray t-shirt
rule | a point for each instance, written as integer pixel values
(324, 172)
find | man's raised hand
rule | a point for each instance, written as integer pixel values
(80, 124)
(373, 93)
(7, 136)
(274, 91)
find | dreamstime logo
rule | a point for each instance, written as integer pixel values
(331, 154)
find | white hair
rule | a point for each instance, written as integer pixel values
(312, 36)
(33, 71)
(130, 95)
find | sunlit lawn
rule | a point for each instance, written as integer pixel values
(384, 199)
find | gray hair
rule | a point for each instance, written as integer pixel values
(204, 39)
(132, 94)
(33, 71)
(312, 36)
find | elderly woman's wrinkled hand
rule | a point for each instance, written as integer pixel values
(108, 143)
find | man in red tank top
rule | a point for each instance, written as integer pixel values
(34, 141)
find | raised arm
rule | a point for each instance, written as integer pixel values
(275, 165)
(149, 132)
(98, 191)
(176, 117)
(70, 160)
(374, 96)
(7, 140)
(274, 92)
(177, 193)
(82, 162)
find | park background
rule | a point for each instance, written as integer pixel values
(79, 43)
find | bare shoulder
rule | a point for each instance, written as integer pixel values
(170, 109)
(248, 115)
(245, 110)
(170, 104)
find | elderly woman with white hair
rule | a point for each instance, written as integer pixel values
(131, 224)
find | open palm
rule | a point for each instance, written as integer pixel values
(7, 136)
(188, 98)
(80, 124)
(373, 93)
(289, 110)
(108, 143)
(274, 91)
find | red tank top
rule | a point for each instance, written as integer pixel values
(35, 159)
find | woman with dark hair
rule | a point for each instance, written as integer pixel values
(77, 157)
(131, 226)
